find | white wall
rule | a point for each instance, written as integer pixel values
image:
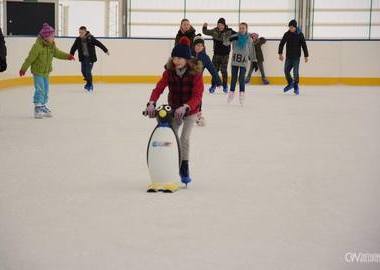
(147, 57)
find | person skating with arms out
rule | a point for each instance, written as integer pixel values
(85, 44)
(40, 60)
(220, 36)
(199, 52)
(243, 51)
(183, 77)
(294, 40)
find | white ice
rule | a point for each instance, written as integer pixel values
(285, 182)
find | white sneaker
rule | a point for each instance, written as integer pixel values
(230, 97)
(241, 98)
(46, 111)
(38, 113)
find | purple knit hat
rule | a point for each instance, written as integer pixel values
(46, 31)
(254, 35)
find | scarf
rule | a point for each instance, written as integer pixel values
(242, 41)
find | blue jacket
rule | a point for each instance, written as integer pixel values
(205, 59)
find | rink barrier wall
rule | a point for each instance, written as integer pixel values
(28, 81)
(347, 62)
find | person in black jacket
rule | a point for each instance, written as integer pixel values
(222, 47)
(185, 30)
(199, 52)
(3, 53)
(85, 44)
(294, 40)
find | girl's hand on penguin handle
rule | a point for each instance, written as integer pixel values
(180, 112)
(71, 57)
(151, 110)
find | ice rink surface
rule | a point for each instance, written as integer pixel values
(285, 182)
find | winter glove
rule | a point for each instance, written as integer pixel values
(255, 66)
(151, 109)
(70, 57)
(262, 40)
(21, 73)
(181, 112)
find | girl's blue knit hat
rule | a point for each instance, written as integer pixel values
(182, 49)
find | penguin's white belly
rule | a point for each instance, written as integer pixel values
(163, 156)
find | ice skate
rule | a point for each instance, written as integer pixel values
(230, 97)
(212, 88)
(265, 81)
(47, 112)
(241, 98)
(296, 89)
(200, 120)
(38, 113)
(184, 172)
(288, 87)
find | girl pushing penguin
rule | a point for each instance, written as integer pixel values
(183, 77)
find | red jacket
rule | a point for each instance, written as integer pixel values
(187, 89)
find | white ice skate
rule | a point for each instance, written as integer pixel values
(241, 98)
(47, 112)
(230, 97)
(38, 113)
(200, 120)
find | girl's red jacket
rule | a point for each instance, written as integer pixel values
(187, 89)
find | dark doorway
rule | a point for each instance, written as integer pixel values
(26, 18)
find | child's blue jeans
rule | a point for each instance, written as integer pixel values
(41, 89)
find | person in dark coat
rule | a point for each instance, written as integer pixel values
(258, 42)
(199, 52)
(3, 53)
(185, 30)
(85, 44)
(294, 40)
(222, 47)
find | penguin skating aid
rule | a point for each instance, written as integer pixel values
(163, 153)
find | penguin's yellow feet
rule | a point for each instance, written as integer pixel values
(169, 188)
(154, 187)
(166, 188)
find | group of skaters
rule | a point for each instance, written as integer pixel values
(183, 74)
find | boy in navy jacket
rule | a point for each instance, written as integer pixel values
(294, 40)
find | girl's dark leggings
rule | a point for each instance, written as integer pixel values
(234, 77)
